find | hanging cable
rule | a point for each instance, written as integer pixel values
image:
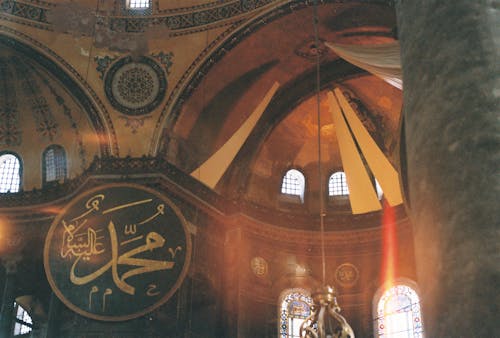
(318, 111)
(325, 319)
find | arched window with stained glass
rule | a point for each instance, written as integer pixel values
(397, 313)
(10, 172)
(54, 163)
(295, 307)
(293, 184)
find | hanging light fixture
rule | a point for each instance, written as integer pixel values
(325, 320)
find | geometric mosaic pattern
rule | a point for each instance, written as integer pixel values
(135, 86)
(192, 18)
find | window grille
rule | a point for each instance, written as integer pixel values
(10, 173)
(138, 4)
(23, 322)
(337, 184)
(293, 183)
(54, 160)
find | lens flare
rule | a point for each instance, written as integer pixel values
(389, 246)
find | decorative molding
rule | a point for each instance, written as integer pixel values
(24, 10)
(258, 221)
(196, 16)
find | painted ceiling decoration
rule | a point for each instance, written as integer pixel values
(10, 129)
(112, 18)
(69, 77)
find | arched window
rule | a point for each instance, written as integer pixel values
(10, 173)
(295, 307)
(54, 163)
(293, 184)
(397, 313)
(138, 4)
(337, 184)
(23, 322)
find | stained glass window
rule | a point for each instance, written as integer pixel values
(295, 308)
(54, 161)
(398, 314)
(23, 323)
(10, 173)
(337, 184)
(293, 183)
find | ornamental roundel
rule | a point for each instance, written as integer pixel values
(135, 86)
(117, 252)
(259, 266)
(347, 274)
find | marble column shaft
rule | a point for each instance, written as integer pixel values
(451, 66)
(7, 309)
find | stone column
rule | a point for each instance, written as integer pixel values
(450, 58)
(52, 329)
(8, 296)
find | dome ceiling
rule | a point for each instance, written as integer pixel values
(217, 76)
(282, 49)
(36, 111)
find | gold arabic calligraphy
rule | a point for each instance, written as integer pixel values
(84, 245)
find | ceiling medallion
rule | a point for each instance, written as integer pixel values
(135, 86)
(259, 266)
(309, 51)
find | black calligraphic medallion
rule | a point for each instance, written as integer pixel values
(117, 252)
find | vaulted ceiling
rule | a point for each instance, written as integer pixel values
(210, 65)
